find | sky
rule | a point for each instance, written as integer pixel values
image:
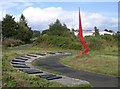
(39, 15)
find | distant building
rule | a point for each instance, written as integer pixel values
(91, 32)
(102, 32)
(88, 33)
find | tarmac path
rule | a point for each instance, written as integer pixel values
(53, 63)
(97, 80)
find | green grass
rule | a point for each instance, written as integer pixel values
(0, 65)
(15, 78)
(103, 62)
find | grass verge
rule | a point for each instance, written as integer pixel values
(15, 78)
(103, 62)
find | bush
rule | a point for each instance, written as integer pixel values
(100, 42)
(56, 41)
(95, 43)
(8, 81)
(10, 42)
(107, 37)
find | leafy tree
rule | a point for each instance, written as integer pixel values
(118, 31)
(0, 32)
(9, 26)
(36, 33)
(73, 30)
(24, 32)
(58, 29)
(96, 31)
(45, 32)
(106, 30)
(110, 31)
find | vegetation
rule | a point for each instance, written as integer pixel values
(9, 26)
(108, 30)
(24, 33)
(94, 62)
(102, 57)
(9, 42)
(103, 51)
(58, 29)
(15, 78)
(16, 31)
(36, 34)
(56, 41)
(101, 42)
(96, 31)
(58, 35)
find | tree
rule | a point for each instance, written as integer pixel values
(57, 29)
(106, 30)
(36, 33)
(73, 30)
(96, 31)
(24, 32)
(0, 32)
(9, 26)
(110, 31)
(46, 31)
(118, 31)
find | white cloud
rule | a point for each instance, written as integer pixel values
(2, 14)
(40, 18)
(6, 5)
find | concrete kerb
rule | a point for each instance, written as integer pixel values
(64, 80)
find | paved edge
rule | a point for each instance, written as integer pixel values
(68, 81)
(95, 79)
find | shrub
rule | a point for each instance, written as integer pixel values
(56, 41)
(10, 42)
(100, 42)
(94, 43)
(107, 37)
(8, 81)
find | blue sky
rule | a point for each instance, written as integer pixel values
(106, 11)
(109, 8)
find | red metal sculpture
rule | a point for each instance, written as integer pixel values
(81, 37)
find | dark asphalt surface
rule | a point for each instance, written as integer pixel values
(97, 80)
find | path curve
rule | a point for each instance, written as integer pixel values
(97, 80)
(23, 63)
(21, 47)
